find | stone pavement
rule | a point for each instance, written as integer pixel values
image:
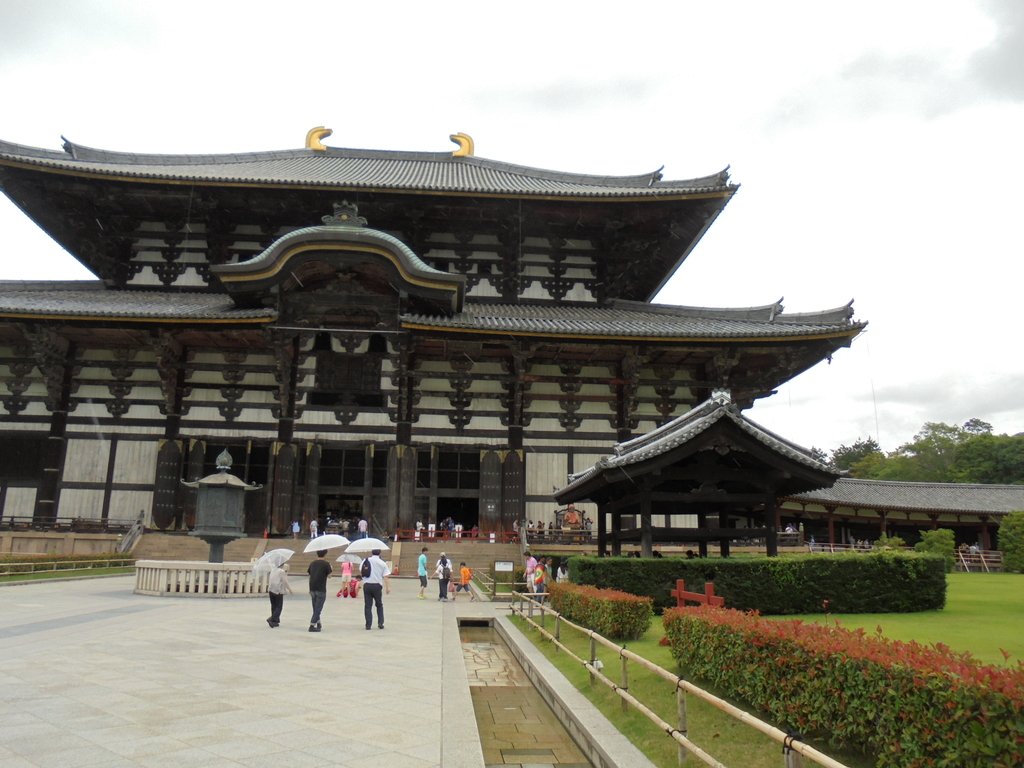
(93, 675)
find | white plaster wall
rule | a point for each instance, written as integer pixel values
(75, 502)
(135, 461)
(20, 502)
(125, 505)
(545, 471)
(85, 461)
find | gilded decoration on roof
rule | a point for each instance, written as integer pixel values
(314, 136)
(465, 143)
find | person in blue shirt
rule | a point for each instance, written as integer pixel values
(421, 571)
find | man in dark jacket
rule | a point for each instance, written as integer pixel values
(318, 572)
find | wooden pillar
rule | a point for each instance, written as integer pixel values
(54, 356)
(196, 457)
(830, 512)
(702, 523)
(771, 519)
(311, 489)
(646, 544)
(986, 536)
(283, 487)
(616, 533)
(724, 541)
(400, 505)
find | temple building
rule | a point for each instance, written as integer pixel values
(404, 336)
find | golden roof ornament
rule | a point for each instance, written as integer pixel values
(314, 136)
(465, 143)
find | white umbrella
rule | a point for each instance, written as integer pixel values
(349, 558)
(272, 559)
(327, 541)
(365, 546)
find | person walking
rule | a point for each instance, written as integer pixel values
(531, 567)
(313, 525)
(295, 529)
(346, 579)
(376, 582)
(421, 571)
(318, 571)
(540, 580)
(443, 571)
(277, 589)
(465, 576)
(363, 528)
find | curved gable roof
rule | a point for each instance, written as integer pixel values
(341, 241)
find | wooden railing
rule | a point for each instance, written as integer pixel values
(63, 524)
(792, 748)
(979, 561)
(442, 534)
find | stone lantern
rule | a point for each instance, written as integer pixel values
(220, 507)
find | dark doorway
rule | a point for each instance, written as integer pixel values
(465, 511)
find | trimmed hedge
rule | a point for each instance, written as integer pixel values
(875, 582)
(608, 612)
(906, 704)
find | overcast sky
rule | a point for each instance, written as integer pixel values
(878, 145)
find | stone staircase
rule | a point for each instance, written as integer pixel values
(154, 545)
(478, 555)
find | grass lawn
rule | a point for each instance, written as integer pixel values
(984, 613)
(78, 573)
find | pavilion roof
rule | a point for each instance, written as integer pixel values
(362, 169)
(686, 429)
(91, 300)
(916, 497)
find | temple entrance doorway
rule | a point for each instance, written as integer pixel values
(460, 510)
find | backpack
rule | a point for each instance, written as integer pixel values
(364, 569)
(446, 572)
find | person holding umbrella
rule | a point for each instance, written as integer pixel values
(277, 589)
(376, 581)
(318, 571)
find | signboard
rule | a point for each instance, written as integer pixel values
(504, 566)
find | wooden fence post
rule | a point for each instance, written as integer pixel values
(681, 715)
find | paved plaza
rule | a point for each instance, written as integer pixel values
(96, 676)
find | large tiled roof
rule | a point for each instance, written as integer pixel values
(622, 320)
(356, 169)
(637, 319)
(916, 497)
(92, 300)
(685, 428)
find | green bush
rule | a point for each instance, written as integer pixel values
(886, 581)
(907, 704)
(1011, 542)
(608, 612)
(941, 542)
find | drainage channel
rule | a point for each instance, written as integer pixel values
(517, 727)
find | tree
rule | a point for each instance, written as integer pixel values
(988, 458)
(885, 541)
(941, 541)
(845, 456)
(1011, 542)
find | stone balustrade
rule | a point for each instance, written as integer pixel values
(179, 578)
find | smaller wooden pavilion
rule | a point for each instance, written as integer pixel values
(711, 465)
